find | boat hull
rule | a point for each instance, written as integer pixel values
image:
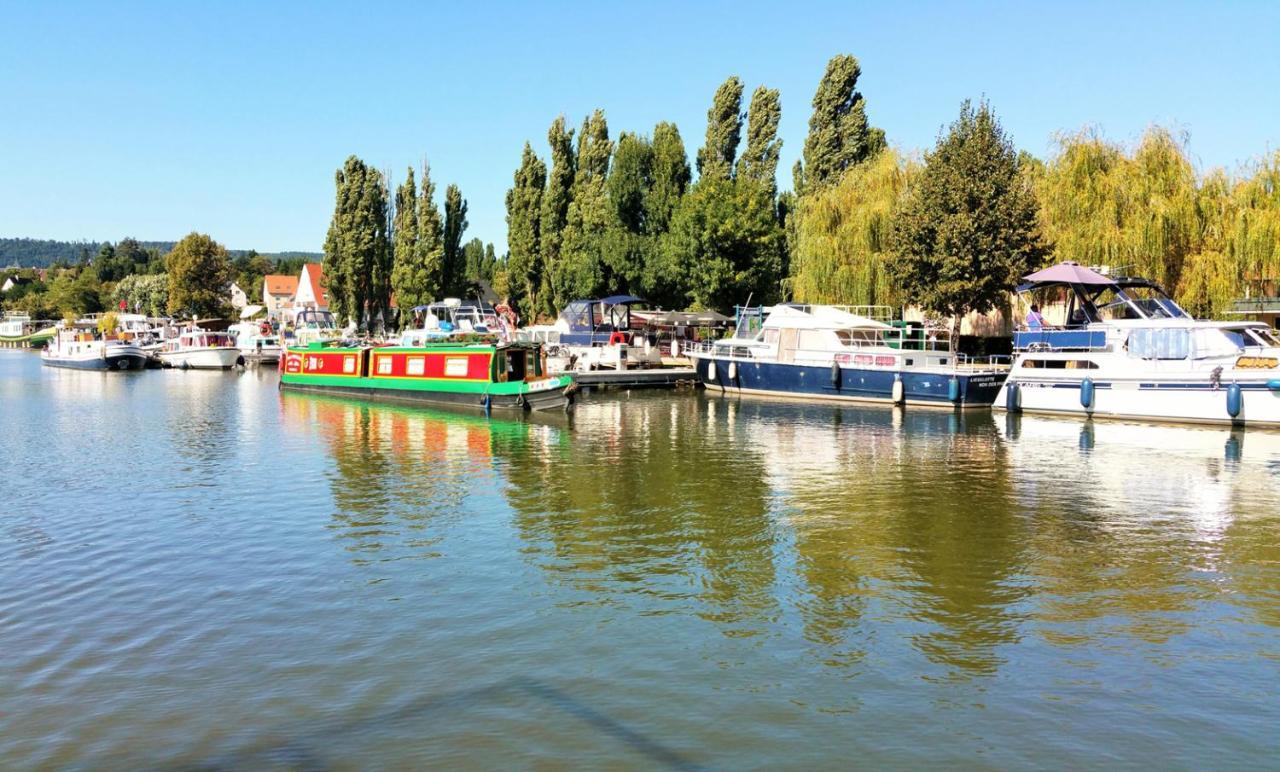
(202, 359)
(1199, 402)
(127, 360)
(919, 387)
(551, 399)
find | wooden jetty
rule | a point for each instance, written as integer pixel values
(638, 378)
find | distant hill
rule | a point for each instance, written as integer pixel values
(41, 253)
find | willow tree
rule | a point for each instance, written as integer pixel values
(843, 235)
(525, 266)
(1254, 233)
(1137, 213)
(968, 228)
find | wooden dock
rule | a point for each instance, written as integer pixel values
(648, 378)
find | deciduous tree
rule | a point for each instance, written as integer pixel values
(525, 266)
(839, 133)
(724, 132)
(968, 229)
(199, 277)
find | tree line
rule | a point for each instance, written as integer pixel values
(192, 277)
(382, 248)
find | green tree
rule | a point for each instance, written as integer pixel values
(671, 177)
(724, 131)
(726, 242)
(759, 161)
(454, 275)
(629, 182)
(199, 276)
(248, 269)
(356, 265)
(968, 229)
(555, 214)
(525, 267)
(581, 269)
(405, 250)
(144, 293)
(839, 133)
(473, 258)
(843, 235)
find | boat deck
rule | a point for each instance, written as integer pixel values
(653, 377)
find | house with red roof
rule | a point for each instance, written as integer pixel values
(278, 291)
(311, 293)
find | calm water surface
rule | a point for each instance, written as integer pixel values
(196, 570)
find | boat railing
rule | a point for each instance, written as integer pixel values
(1059, 340)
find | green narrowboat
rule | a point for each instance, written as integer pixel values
(480, 373)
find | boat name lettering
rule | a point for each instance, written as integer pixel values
(1256, 363)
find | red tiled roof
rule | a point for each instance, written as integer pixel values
(281, 285)
(314, 272)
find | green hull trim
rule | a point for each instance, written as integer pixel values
(478, 388)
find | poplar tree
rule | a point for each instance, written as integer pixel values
(525, 266)
(581, 271)
(453, 280)
(629, 182)
(759, 161)
(968, 229)
(555, 213)
(724, 131)
(356, 247)
(429, 275)
(839, 134)
(405, 245)
(671, 177)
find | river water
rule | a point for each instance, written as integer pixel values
(197, 570)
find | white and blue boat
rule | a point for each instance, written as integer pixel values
(845, 354)
(1125, 349)
(80, 350)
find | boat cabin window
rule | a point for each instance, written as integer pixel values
(1061, 364)
(858, 337)
(814, 339)
(770, 335)
(1160, 343)
(1216, 342)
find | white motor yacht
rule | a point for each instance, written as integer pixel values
(1127, 350)
(201, 350)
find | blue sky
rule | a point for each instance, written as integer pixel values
(153, 120)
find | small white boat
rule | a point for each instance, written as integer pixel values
(1127, 350)
(83, 351)
(201, 350)
(598, 335)
(257, 343)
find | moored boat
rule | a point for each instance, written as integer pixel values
(201, 350)
(1125, 349)
(18, 331)
(844, 354)
(84, 351)
(479, 373)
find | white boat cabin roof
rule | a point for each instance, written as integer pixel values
(819, 318)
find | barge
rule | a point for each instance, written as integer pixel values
(477, 373)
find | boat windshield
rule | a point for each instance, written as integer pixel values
(1139, 301)
(1261, 336)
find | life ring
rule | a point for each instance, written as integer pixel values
(618, 338)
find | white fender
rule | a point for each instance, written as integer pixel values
(899, 393)
(711, 370)
(733, 371)
(675, 348)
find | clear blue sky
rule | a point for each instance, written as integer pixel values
(153, 120)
